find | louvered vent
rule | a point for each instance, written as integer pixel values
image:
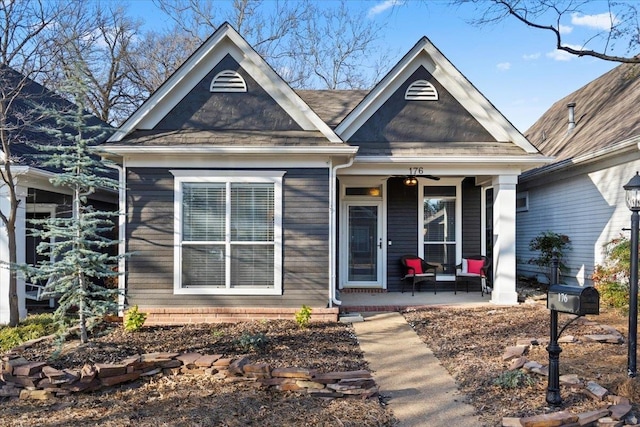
(421, 90)
(228, 81)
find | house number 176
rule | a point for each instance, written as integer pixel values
(416, 171)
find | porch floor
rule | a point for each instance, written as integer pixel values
(396, 301)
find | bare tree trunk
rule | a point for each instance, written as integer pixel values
(14, 313)
(9, 219)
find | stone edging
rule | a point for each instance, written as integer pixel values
(37, 380)
(618, 411)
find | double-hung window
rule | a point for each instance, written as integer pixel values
(228, 232)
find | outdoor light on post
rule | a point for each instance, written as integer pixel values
(632, 198)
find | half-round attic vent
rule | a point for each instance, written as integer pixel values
(228, 81)
(421, 90)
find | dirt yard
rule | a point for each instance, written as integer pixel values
(469, 342)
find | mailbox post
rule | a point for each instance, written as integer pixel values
(565, 299)
(553, 385)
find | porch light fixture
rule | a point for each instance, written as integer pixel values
(632, 198)
(411, 181)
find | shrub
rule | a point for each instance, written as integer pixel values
(134, 319)
(35, 326)
(514, 379)
(612, 277)
(253, 342)
(550, 244)
(303, 316)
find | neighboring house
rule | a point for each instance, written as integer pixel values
(38, 198)
(245, 198)
(593, 134)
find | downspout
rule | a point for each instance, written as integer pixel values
(332, 230)
(122, 214)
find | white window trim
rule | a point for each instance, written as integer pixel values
(520, 196)
(188, 176)
(446, 182)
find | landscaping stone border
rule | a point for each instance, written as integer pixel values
(37, 380)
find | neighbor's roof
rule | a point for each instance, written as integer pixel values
(606, 114)
(27, 127)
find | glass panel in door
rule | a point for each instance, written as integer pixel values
(440, 226)
(363, 244)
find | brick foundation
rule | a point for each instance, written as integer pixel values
(183, 315)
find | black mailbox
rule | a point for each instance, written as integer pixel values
(573, 300)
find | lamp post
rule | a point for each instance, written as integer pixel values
(632, 198)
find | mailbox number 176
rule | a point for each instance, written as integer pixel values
(563, 297)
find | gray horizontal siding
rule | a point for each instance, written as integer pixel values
(587, 207)
(151, 243)
(402, 228)
(471, 218)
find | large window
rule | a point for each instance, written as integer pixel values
(440, 226)
(228, 232)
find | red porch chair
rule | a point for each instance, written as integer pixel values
(474, 269)
(416, 270)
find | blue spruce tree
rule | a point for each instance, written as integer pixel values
(78, 247)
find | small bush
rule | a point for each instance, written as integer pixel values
(253, 342)
(303, 316)
(513, 379)
(549, 244)
(611, 279)
(134, 319)
(33, 327)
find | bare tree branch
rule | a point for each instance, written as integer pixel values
(623, 24)
(22, 27)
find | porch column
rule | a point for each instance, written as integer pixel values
(504, 240)
(4, 253)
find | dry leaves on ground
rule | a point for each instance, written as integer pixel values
(190, 400)
(470, 344)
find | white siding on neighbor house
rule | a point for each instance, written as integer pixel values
(588, 207)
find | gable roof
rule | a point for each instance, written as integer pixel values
(332, 105)
(425, 54)
(606, 119)
(225, 41)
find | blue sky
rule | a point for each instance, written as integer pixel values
(517, 68)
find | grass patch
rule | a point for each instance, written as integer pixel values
(34, 326)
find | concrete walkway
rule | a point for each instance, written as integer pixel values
(420, 391)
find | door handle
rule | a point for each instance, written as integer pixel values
(380, 243)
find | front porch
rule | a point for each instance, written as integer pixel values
(373, 301)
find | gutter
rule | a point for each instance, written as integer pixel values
(332, 229)
(229, 150)
(582, 158)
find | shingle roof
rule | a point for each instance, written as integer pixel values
(428, 149)
(213, 137)
(606, 113)
(26, 125)
(332, 106)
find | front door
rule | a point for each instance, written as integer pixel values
(362, 244)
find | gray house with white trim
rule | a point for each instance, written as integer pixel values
(593, 134)
(247, 199)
